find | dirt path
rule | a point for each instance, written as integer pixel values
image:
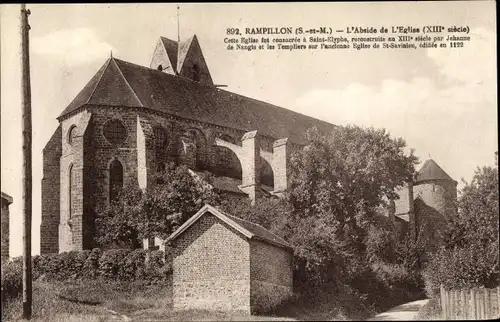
(403, 312)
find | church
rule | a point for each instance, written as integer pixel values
(130, 120)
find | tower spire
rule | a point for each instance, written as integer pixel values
(178, 28)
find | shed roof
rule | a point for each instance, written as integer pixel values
(248, 229)
(123, 84)
(8, 198)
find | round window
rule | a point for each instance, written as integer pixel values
(115, 132)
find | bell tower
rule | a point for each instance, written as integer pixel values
(181, 58)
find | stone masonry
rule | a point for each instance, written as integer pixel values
(224, 263)
(211, 268)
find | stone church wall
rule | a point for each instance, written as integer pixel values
(49, 227)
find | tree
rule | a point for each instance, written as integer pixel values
(337, 183)
(477, 220)
(177, 195)
(469, 257)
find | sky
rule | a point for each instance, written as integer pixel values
(442, 102)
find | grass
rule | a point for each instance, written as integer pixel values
(97, 301)
(101, 300)
(86, 300)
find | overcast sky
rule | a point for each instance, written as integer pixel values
(442, 102)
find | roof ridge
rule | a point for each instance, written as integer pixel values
(186, 79)
(99, 81)
(128, 84)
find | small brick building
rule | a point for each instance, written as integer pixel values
(224, 263)
(6, 201)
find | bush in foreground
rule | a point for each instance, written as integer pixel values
(12, 280)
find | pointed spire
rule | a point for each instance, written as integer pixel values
(111, 53)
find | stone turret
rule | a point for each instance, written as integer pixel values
(436, 188)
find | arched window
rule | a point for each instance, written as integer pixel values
(160, 68)
(71, 189)
(115, 179)
(71, 134)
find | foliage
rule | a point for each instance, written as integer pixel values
(462, 268)
(12, 279)
(477, 220)
(157, 266)
(177, 195)
(60, 266)
(469, 257)
(337, 184)
(91, 265)
(117, 224)
(380, 244)
(269, 212)
(111, 263)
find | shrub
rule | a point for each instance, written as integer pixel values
(12, 280)
(133, 266)
(397, 276)
(91, 265)
(463, 267)
(380, 245)
(111, 261)
(156, 266)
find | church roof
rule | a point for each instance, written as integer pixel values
(246, 228)
(120, 83)
(431, 171)
(172, 48)
(177, 51)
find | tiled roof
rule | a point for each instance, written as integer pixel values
(7, 197)
(172, 48)
(431, 171)
(260, 232)
(247, 228)
(120, 83)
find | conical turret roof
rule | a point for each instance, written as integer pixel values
(431, 171)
